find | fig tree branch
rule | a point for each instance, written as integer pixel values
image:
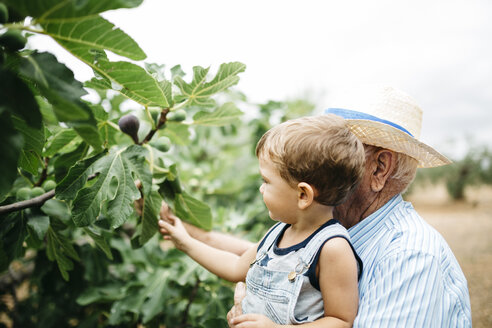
(162, 121)
(44, 174)
(33, 202)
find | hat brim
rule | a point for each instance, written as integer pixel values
(386, 136)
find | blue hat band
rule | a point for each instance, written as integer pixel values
(355, 115)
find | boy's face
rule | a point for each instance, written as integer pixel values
(280, 198)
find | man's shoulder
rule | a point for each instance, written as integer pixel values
(412, 233)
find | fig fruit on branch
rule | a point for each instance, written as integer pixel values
(130, 124)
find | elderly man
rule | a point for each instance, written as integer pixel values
(410, 276)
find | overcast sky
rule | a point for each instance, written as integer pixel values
(438, 51)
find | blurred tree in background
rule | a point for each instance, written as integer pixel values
(472, 170)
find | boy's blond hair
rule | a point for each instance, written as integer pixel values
(319, 150)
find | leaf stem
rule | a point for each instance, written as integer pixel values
(180, 105)
(161, 169)
(113, 125)
(25, 28)
(151, 161)
(149, 116)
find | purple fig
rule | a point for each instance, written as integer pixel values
(129, 124)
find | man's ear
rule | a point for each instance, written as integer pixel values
(305, 195)
(384, 165)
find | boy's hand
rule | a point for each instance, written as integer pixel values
(239, 294)
(174, 230)
(252, 320)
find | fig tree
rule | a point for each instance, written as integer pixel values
(130, 124)
(49, 185)
(4, 13)
(162, 143)
(37, 191)
(13, 40)
(23, 193)
(177, 116)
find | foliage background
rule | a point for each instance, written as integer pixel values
(70, 261)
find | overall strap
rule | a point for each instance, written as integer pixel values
(331, 230)
(269, 238)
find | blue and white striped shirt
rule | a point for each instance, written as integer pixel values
(410, 278)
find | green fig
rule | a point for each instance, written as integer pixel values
(49, 185)
(37, 191)
(13, 40)
(177, 116)
(130, 124)
(23, 193)
(162, 143)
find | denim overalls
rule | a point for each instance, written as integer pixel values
(278, 284)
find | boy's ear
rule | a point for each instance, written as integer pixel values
(305, 195)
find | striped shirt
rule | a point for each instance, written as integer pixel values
(410, 278)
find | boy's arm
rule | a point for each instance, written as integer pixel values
(215, 239)
(338, 280)
(226, 265)
(338, 284)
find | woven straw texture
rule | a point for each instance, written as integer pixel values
(385, 136)
(395, 106)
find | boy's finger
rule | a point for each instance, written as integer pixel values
(239, 294)
(165, 211)
(177, 222)
(167, 226)
(250, 317)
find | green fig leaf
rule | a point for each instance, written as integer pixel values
(150, 215)
(224, 115)
(56, 83)
(10, 148)
(119, 166)
(63, 141)
(82, 35)
(17, 98)
(100, 241)
(59, 248)
(193, 211)
(31, 155)
(199, 91)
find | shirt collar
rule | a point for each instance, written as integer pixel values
(374, 221)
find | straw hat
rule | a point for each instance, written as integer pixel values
(387, 118)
